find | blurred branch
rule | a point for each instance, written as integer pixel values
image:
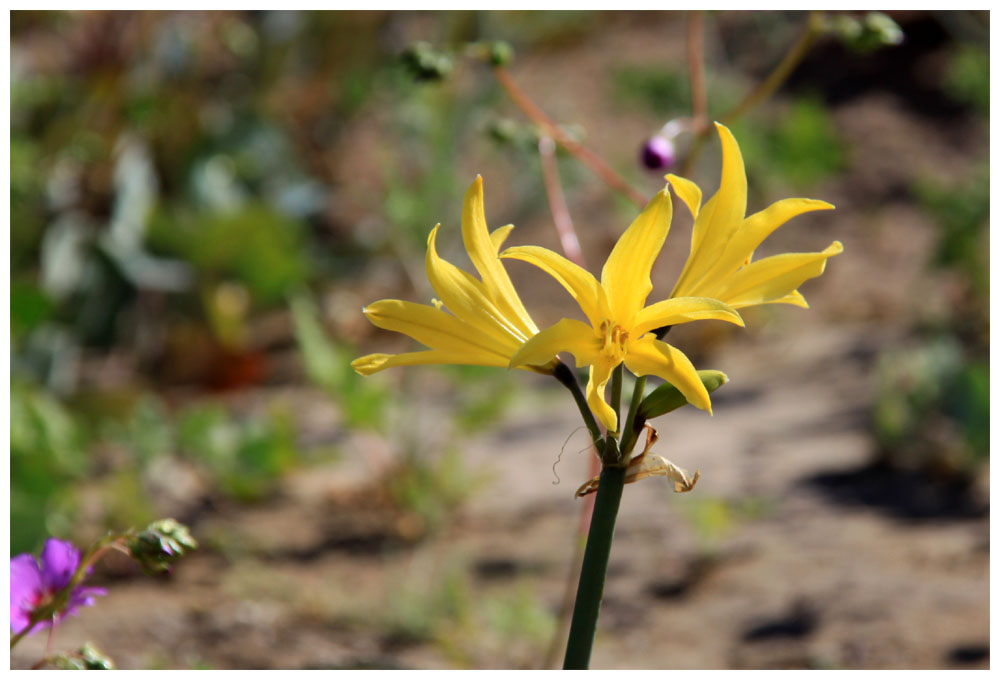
(767, 87)
(696, 65)
(557, 201)
(550, 128)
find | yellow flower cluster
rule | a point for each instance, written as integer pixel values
(489, 325)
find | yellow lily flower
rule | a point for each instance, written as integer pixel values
(723, 241)
(620, 324)
(487, 324)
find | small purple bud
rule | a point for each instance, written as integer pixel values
(658, 153)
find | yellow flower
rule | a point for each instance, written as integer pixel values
(720, 265)
(487, 324)
(620, 325)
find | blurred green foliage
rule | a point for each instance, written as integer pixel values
(246, 458)
(961, 210)
(253, 244)
(932, 408)
(799, 146)
(968, 77)
(47, 456)
(362, 400)
(662, 90)
(430, 487)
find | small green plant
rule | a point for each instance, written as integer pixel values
(430, 489)
(327, 364)
(47, 457)
(246, 458)
(967, 79)
(932, 407)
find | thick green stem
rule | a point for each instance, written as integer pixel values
(595, 569)
(631, 431)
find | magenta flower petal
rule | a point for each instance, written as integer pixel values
(32, 587)
(59, 561)
(26, 589)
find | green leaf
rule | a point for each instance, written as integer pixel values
(667, 398)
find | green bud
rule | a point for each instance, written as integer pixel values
(875, 30)
(667, 398)
(425, 63)
(501, 53)
(157, 547)
(87, 658)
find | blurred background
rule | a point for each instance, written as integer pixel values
(201, 204)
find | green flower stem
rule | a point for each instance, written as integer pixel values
(632, 427)
(565, 375)
(595, 568)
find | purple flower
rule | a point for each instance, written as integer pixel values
(32, 587)
(658, 153)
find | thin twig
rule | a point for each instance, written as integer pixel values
(557, 201)
(767, 87)
(582, 153)
(696, 66)
(781, 72)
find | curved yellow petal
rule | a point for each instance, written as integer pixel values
(373, 363)
(774, 278)
(499, 235)
(439, 330)
(580, 283)
(649, 356)
(466, 298)
(720, 217)
(600, 372)
(568, 335)
(483, 253)
(793, 298)
(687, 191)
(625, 277)
(751, 234)
(681, 310)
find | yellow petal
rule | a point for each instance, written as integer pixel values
(439, 330)
(649, 356)
(681, 310)
(580, 283)
(719, 219)
(568, 335)
(793, 298)
(467, 299)
(774, 278)
(752, 233)
(499, 235)
(483, 253)
(373, 363)
(625, 277)
(600, 372)
(688, 192)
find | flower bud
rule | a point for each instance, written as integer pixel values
(501, 53)
(658, 153)
(424, 63)
(157, 547)
(87, 658)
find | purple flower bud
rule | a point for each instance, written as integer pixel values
(658, 153)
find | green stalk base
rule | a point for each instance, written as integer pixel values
(595, 569)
